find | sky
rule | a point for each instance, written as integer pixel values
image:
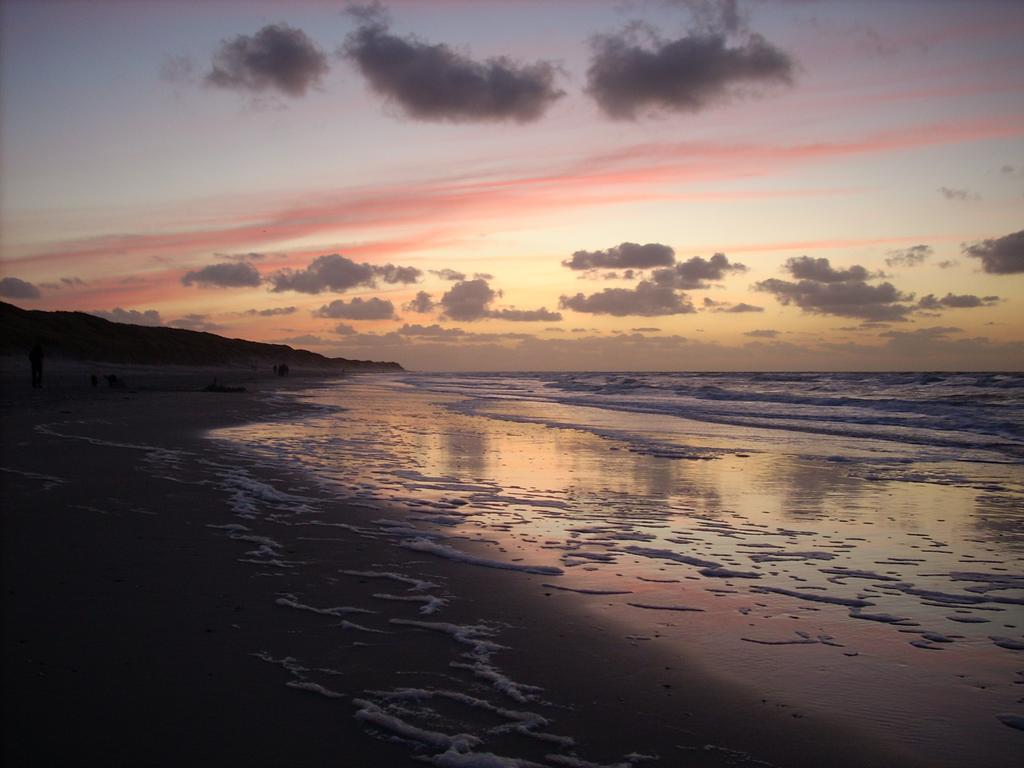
(527, 185)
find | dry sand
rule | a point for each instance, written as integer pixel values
(131, 627)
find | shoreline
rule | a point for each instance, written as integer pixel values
(176, 643)
(129, 628)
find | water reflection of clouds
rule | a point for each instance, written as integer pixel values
(760, 541)
(998, 516)
(463, 452)
(605, 478)
(808, 489)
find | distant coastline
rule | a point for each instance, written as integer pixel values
(83, 337)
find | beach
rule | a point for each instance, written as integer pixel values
(504, 384)
(367, 572)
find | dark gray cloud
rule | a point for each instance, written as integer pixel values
(64, 282)
(1001, 255)
(724, 306)
(525, 315)
(647, 300)
(272, 312)
(694, 273)
(251, 256)
(957, 301)
(434, 331)
(344, 329)
(853, 298)
(623, 256)
(951, 193)
(764, 333)
(421, 303)
(389, 273)
(14, 288)
(822, 289)
(468, 300)
(277, 58)
(921, 334)
(335, 272)
(358, 309)
(947, 264)
(194, 322)
(908, 257)
(629, 76)
(626, 274)
(714, 15)
(130, 316)
(742, 307)
(482, 276)
(806, 268)
(228, 274)
(435, 82)
(448, 274)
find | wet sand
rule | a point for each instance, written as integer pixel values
(137, 634)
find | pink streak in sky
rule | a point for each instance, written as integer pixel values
(623, 175)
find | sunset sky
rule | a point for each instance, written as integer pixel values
(520, 184)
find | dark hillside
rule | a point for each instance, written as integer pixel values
(79, 336)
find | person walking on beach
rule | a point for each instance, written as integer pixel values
(36, 358)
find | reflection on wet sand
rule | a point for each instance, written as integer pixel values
(784, 565)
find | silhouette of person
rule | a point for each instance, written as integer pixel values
(94, 380)
(36, 358)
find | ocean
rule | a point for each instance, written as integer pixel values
(848, 545)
